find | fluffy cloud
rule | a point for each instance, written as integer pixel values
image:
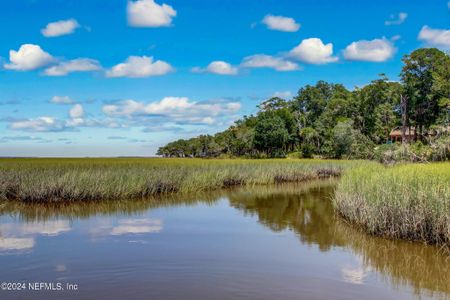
(140, 66)
(281, 23)
(62, 100)
(377, 50)
(175, 109)
(435, 37)
(59, 28)
(268, 61)
(396, 20)
(147, 13)
(218, 67)
(76, 112)
(28, 57)
(41, 124)
(313, 51)
(74, 65)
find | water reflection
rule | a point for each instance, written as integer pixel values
(304, 209)
(310, 214)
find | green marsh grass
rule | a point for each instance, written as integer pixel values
(79, 179)
(404, 201)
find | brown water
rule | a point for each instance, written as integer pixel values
(281, 242)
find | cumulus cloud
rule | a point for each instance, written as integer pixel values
(140, 66)
(377, 50)
(148, 13)
(175, 109)
(62, 100)
(396, 20)
(59, 28)
(435, 37)
(40, 124)
(313, 51)
(77, 111)
(74, 65)
(281, 23)
(218, 67)
(28, 57)
(268, 61)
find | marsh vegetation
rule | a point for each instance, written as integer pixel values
(405, 201)
(47, 180)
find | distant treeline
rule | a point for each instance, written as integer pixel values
(328, 120)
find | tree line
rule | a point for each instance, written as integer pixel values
(328, 120)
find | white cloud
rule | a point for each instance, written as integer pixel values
(313, 51)
(59, 28)
(140, 66)
(62, 100)
(396, 20)
(435, 37)
(377, 50)
(76, 112)
(174, 109)
(268, 61)
(147, 13)
(28, 57)
(41, 124)
(74, 65)
(281, 23)
(218, 67)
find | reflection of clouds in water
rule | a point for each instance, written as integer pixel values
(128, 226)
(356, 272)
(355, 276)
(60, 268)
(137, 226)
(17, 236)
(52, 228)
(17, 244)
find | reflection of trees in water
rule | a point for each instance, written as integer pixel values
(400, 262)
(303, 208)
(309, 213)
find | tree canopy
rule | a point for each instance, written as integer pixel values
(329, 120)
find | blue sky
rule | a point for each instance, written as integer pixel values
(117, 77)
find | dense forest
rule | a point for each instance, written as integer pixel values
(328, 120)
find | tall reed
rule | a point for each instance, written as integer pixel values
(42, 180)
(404, 201)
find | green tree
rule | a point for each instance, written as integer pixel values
(271, 135)
(425, 76)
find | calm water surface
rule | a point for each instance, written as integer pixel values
(281, 242)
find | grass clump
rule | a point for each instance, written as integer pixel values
(64, 179)
(404, 201)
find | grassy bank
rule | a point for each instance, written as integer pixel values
(404, 201)
(42, 180)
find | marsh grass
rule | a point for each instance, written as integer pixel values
(44, 180)
(404, 201)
